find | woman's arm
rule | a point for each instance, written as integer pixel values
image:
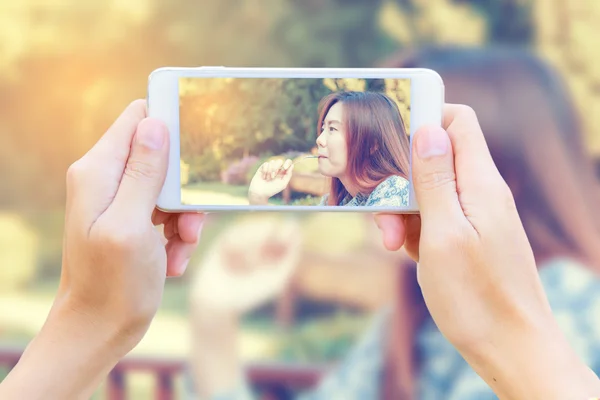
(215, 358)
(250, 263)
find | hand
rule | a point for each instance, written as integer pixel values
(271, 178)
(249, 264)
(114, 262)
(476, 268)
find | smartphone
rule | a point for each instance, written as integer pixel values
(293, 139)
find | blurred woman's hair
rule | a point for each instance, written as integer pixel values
(536, 140)
(378, 146)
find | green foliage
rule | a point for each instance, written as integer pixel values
(49, 227)
(267, 116)
(57, 102)
(204, 167)
(261, 161)
(332, 33)
(508, 21)
(306, 201)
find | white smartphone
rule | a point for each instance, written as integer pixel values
(294, 139)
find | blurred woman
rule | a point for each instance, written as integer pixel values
(537, 143)
(363, 147)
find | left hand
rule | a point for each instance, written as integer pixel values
(115, 262)
(271, 178)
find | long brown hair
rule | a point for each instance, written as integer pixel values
(536, 141)
(378, 146)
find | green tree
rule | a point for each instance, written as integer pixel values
(234, 118)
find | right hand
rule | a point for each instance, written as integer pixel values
(476, 267)
(469, 227)
(271, 178)
(248, 264)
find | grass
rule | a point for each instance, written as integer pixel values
(242, 191)
(233, 190)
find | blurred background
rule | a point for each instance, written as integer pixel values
(69, 67)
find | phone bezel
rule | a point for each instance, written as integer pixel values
(427, 100)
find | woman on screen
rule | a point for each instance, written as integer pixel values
(362, 147)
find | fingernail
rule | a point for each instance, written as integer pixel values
(432, 142)
(151, 134)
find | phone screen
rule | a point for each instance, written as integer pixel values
(295, 141)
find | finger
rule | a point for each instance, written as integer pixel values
(263, 170)
(288, 163)
(189, 226)
(392, 229)
(287, 173)
(275, 168)
(160, 217)
(268, 168)
(171, 227)
(412, 225)
(477, 176)
(115, 143)
(93, 180)
(434, 178)
(144, 174)
(179, 254)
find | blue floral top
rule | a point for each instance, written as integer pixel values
(574, 295)
(392, 192)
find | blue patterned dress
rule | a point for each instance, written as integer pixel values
(574, 295)
(394, 191)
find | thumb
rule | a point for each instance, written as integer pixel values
(145, 171)
(434, 177)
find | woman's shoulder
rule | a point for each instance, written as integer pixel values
(324, 200)
(571, 286)
(394, 180)
(573, 291)
(393, 191)
(566, 276)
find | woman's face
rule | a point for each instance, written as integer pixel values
(331, 144)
